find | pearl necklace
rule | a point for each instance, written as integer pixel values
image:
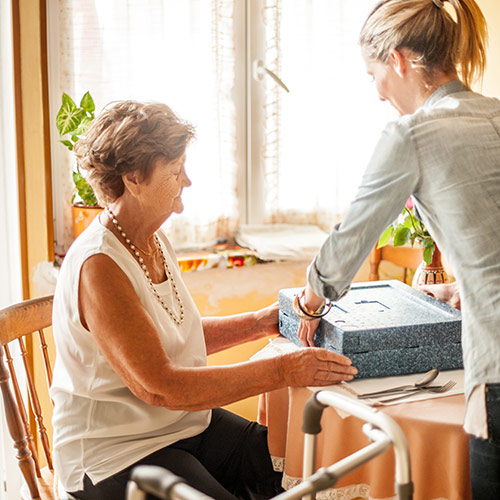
(147, 253)
(134, 248)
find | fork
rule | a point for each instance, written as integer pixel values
(392, 392)
(425, 381)
(437, 390)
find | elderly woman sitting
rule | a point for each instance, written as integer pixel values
(131, 385)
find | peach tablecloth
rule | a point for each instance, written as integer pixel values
(439, 447)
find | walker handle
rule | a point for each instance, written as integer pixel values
(313, 411)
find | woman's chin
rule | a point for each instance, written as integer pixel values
(178, 207)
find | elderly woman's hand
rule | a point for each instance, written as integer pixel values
(446, 292)
(267, 320)
(315, 366)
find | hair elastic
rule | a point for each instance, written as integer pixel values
(438, 3)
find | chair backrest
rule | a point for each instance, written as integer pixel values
(17, 325)
(405, 257)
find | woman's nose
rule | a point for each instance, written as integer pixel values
(186, 181)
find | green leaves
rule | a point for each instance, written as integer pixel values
(68, 144)
(429, 248)
(385, 237)
(87, 104)
(69, 115)
(73, 121)
(83, 189)
(401, 236)
(408, 229)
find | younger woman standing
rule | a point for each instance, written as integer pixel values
(444, 150)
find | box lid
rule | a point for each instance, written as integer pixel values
(379, 315)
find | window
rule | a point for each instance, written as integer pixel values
(262, 155)
(324, 130)
(10, 265)
(175, 52)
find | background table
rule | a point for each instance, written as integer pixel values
(439, 447)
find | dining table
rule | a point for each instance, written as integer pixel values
(433, 426)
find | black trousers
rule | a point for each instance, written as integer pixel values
(485, 453)
(229, 460)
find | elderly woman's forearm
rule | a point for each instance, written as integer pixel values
(192, 389)
(209, 387)
(227, 331)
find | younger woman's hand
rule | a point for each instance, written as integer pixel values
(306, 331)
(307, 327)
(445, 292)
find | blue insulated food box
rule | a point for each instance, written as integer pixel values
(385, 327)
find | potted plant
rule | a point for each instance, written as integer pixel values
(408, 228)
(72, 121)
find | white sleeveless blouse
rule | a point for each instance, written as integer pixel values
(100, 427)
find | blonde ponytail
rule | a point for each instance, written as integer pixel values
(439, 40)
(472, 41)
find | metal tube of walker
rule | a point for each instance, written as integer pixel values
(327, 477)
(161, 483)
(404, 485)
(311, 426)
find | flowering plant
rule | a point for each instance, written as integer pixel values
(407, 228)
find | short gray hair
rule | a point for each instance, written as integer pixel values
(129, 136)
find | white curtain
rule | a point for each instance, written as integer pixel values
(10, 266)
(317, 140)
(177, 52)
(321, 134)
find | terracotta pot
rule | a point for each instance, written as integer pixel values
(431, 274)
(82, 217)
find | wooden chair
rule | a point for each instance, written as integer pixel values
(18, 324)
(405, 257)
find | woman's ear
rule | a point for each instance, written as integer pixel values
(398, 61)
(132, 182)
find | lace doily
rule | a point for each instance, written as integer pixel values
(344, 493)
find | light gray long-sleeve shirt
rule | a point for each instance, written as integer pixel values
(447, 155)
